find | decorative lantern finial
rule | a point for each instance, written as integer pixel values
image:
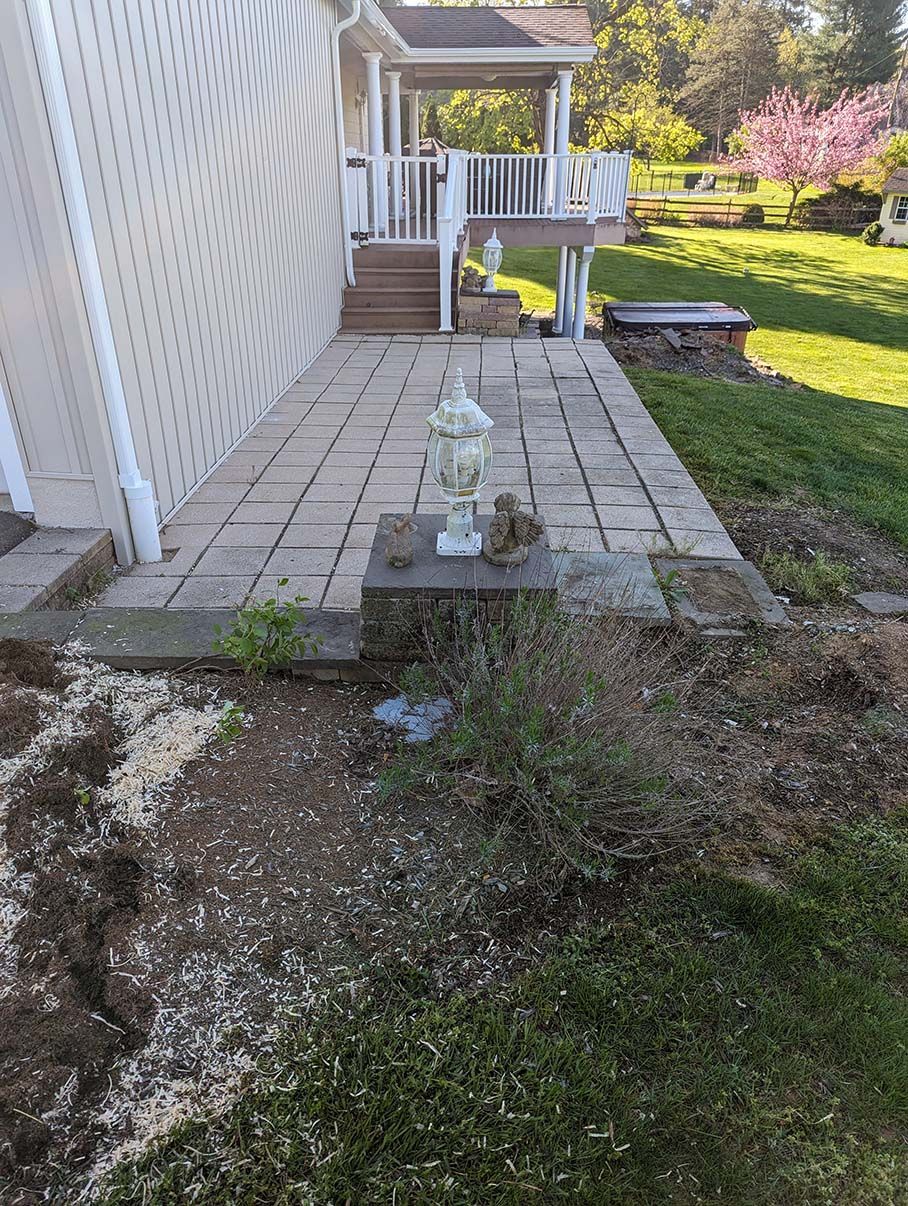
(460, 457)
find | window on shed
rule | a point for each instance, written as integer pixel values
(900, 209)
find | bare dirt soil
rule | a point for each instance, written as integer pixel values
(876, 562)
(154, 952)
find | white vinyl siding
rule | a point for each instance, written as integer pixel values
(36, 289)
(206, 137)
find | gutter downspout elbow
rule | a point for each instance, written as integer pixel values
(339, 28)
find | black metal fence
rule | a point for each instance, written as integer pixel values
(699, 180)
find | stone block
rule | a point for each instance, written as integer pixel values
(720, 596)
(600, 583)
(882, 602)
(398, 604)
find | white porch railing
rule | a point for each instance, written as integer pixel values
(590, 184)
(399, 198)
(423, 200)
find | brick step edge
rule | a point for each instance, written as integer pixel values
(51, 565)
(160, 638)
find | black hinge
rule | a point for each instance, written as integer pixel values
(359, 236)
(356, 161)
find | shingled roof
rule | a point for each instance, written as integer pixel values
(897, 182)
(509, 28)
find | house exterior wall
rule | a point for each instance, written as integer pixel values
(47, 365)
(353, 87)
(207, 144)
(893, 228)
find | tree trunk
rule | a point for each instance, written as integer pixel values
(795, 193)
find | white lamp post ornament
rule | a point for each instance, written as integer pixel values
(491, 260)
(460, 457)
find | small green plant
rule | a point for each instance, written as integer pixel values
(267, 634)
(230, 723)
(818, 580)
(753, 215)
(872, 234)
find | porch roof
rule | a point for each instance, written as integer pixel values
(485, 47)
(557, 26)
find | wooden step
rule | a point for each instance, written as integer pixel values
(384, 319)
(391, 297)
(395, 256)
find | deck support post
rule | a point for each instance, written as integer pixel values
(562, 138)
(583, 280)
(567, 313)
(548, 148)
(376, 136)
(394, 140)
(559, 290)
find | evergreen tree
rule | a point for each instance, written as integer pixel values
(858, 42)
(734, 64)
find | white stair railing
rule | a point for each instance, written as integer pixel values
(391, 198)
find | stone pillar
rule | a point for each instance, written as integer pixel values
(583, 280)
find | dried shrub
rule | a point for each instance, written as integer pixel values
(567, 732)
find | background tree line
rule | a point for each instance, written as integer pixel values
(672, 76)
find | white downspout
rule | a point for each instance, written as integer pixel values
(140, 503)
(341, 140)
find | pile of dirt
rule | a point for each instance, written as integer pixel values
(697, 356)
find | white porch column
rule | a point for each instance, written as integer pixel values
(548, 147)
(583, 280)
(373, 103)
(378, 181)
(394, 139)
(559, 290)
(413, 116)
(567, 314)
(562, 135)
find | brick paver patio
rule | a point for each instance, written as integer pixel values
(299, 497)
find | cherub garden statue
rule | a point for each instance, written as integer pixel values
(511, 532)
(399, 549)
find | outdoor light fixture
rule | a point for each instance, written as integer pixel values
(491, 260)
(460, 457)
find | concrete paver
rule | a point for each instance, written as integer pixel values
(300, 497)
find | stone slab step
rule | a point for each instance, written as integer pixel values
(176, 638)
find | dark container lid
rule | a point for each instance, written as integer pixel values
(678, 315)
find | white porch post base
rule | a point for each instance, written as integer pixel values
(559, 290)
(583, 280)
(567, 314)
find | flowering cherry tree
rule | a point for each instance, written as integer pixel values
(789, 139)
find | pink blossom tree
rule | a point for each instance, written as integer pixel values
(789, 139)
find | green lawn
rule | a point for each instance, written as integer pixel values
(831, 312)
(722, 1042)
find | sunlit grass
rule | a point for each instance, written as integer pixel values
(831, 312)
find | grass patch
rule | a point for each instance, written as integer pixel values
(746, 441)
(726, 1042)
(819, 580)
(831, 310)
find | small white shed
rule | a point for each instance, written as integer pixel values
(894, 214)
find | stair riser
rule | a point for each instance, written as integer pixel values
(402, 322)
(399, 299)
(395, 256)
